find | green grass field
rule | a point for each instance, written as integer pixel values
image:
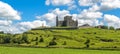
(14, 50)
(99, 39)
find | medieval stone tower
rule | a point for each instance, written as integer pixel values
(67, 22)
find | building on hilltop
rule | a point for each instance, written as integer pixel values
(67, 22)
(85, 26)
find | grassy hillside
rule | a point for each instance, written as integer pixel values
(80, 38)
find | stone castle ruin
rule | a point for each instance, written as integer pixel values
(67, 22)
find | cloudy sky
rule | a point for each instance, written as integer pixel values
(17, 16)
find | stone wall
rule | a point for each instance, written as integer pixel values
(67, 22)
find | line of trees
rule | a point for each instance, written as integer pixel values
(13, 39)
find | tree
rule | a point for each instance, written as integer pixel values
(7, 39)
(25, 39)
(111, 28)
(1, 40)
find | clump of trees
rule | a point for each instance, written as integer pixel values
(105, 27)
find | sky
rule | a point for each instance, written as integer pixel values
(18, 16)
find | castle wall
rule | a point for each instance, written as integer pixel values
(68, 22)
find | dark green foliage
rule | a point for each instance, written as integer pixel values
(87, 43)
(1, 40)
(41, 39)
(102, 27)
(87, 33)
(64, 43)
(25, 39)
(54, 38)
(7, 39)
(36, 39)
(17, 40)
(95, 33)
(106, 40)
(52, 43)
(36, 43)
(111, 28)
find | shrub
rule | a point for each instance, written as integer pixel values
(111, 28)
(95, 33)
(87, 33)
(87, 43)
(36, 43)
(107, 40)
(52, 43)
(1, 41)
(54, 38)
(36, 39)
(64, 43)
(25, 39)
(7, 39)
(41, 39)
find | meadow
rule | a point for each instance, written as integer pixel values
(78, 41)
(17, 50)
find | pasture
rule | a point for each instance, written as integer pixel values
(17, 50)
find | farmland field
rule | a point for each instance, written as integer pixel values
(16, 50)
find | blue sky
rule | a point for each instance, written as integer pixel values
(31, 8)
(28, 9)
(32, 12)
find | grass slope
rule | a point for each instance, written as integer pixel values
(99, 38)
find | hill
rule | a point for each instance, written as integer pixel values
(77, 38)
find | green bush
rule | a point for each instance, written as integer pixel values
(25, 39)
(87, 43)
(36, 39)
(52, 43)
(36, 43)
(41, 39)
(64, 43)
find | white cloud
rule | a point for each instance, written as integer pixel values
(5, 23)
(47, 2)
(7, 12)
(70, 3)
(59, 2)
(34, 24)
(112, 20)
(93, 22)
(90, 15)
(98, 5)
(88, 2)
(60, 13)
(22, 26)
(94, 8)
(110, 4)
(50, 17)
